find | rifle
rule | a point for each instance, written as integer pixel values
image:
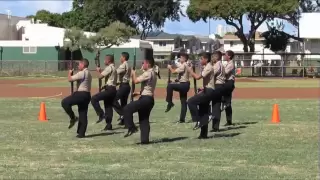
(194, 70)
(133, 85)
(97, 62)
(71, 66)
(171, 61)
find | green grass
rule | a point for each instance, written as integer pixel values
(35, 150)
(296, 83)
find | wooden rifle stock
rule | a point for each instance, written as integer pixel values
(97, 62)
(133, 85)
(194, 79)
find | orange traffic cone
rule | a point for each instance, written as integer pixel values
(42, 113)
(275, 114)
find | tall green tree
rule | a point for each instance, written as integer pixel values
(100, 13)
(52, 19)
(150, 15)
(233, 12)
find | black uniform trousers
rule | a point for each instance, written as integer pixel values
(216, 106)
(202, 100)
(107, 96)
(82, 100)
(229, 85)
(122, 95)
(183, 89)
(143, 106)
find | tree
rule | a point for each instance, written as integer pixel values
(275, 39)
(305, 6)
(150, 15)
(72, 19)
(100, 13)
(75, 39)
(217, 36)
(256, 12)
(52, 19)
(114, 34)
(177, 42)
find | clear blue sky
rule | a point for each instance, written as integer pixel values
(185, 26)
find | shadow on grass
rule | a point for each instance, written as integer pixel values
(224, 135)
(165, 140)
(232, 128)
(102, 134)
(244, 123)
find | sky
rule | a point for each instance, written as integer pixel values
(185, 26)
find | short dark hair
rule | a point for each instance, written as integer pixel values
(216, 55)
(230, 54)
(111, 57)
(150, 60)
(206, 56)
(125, 55)
(85, 62)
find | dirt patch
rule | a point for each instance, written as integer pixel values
(247, 80)
(241, 93)
(9, 88)
(24, 81)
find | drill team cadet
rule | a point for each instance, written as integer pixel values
(81, 98)
(219, 80)
(144, 104)
(123, 92)
(229, 70)
(202, 99)
(182, 86)
(108, 95)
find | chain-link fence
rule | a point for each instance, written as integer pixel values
(247, 65)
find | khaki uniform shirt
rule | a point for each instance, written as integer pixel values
(219, 73)
(148, 82)
(183, 74)
(83, 79)
(207, 74)
(229, 70)
(110, 74)
(124, 72)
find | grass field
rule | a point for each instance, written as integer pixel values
(252, 149)
(268, 83)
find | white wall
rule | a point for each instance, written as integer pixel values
(158, 46)
(44, 35)
(238, 46)
(308, 27)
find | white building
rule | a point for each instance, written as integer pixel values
(220, 30)
(164, 44)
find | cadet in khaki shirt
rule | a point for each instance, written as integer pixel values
(124, 73)
(109, 93)
(218, 84)
(182, 86)
(81, 98)
(144, 104)
(199, 103)
(229, 70)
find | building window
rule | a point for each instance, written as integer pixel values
(162, 43)
(29, 50)
(231, 43)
